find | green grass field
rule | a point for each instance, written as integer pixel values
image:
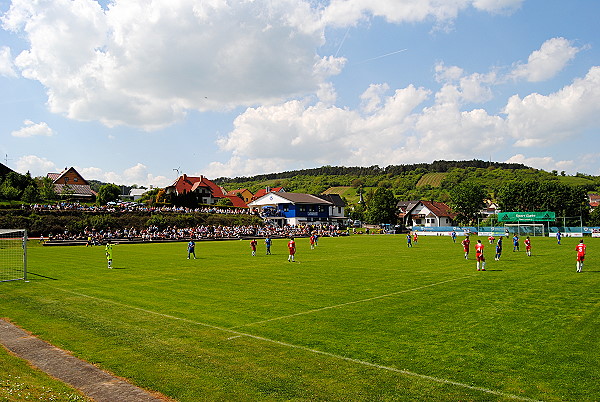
(358, 318)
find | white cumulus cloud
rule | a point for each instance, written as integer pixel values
(389, 128)
(37, 166)
(545, 63)
(137, 174)
(31, 129)
(145, 64)
(349, 12)
(537, 120)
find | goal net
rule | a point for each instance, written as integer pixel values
(525, 229)
(13, 255)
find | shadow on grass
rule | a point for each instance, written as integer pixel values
(41, 276)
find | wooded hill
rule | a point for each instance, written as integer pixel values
(431, 181)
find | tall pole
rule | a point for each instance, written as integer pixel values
(25, 256)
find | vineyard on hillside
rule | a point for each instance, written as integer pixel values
(431, 179)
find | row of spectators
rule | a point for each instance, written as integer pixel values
(153, 233)
(135, 207)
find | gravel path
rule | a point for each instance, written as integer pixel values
(89, 379)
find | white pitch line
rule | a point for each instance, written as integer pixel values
(319, 352)
(352, 302)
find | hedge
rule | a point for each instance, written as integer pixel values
(47, 222)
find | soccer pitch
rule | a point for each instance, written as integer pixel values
(358, 318)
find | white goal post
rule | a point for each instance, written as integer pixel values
(525, 229)
(13, 255)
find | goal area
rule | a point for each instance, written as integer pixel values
(525, 229)
(13, 255)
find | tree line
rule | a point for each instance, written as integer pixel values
(375, 170)
(465, 186)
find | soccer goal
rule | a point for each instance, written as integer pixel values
(525, 229)
(13, 255)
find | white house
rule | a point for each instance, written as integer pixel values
(137, 193)
(429, 214)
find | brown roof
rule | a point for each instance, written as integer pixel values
(335, 199)
(77, 190)
(439, 209)
(300, 198)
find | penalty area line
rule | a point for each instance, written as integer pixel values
(238, 334)
(316, 310)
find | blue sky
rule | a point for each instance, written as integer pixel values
(133, 92)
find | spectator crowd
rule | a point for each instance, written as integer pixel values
(135, 207)
(201, 232)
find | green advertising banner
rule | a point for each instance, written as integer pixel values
(526, 217)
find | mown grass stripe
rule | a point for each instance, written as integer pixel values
(304, 348)
(316, 310)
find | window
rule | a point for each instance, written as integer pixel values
(321, 208)
(75, 179)
(302, 208)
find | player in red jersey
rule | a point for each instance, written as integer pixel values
(466, 243)
(580, 255)
(292, 249)
(527, 246)
(479, 256)
(253, 246)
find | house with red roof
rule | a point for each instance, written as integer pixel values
(204, 190)
(69, 183)
(428, 214)
(264, 191)
(242, 193)
(594, 200)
